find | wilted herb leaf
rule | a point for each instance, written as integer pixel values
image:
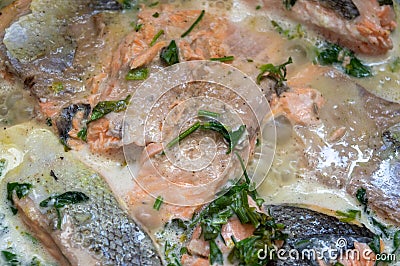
(277, 73)
(170, 54)
(59, 201)
(103, 108)
(344, 59)
(10, 258)
(21, 190)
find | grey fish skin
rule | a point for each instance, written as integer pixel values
(344, 8)
(318, 229)
(97, 230)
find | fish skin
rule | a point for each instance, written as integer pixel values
(344, 8)
(99, 228)
(320, 229)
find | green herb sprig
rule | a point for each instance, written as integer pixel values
(277, 73)
(194, 24)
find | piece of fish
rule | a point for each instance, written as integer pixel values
(362, 26)
(94, 232)
(306, 230)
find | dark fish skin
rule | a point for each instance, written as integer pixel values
(64, 121)
(344, 8)
(316, 229)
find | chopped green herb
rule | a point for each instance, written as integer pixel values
(289, 4)
(375, 244)
(170, 54)
(137, 74)
(155, 38)
(82, 134)
(2, 166)
(154, 4)
(348, 216)
(338, 264)
(250, 60)
(157, 203)
(258, 7)
(57, 87)
(209, 114)
(21, 190)
(381, 227)
(344, 59)
(288, 33)
(277, 73)
(103, 108)
(223, 59)
(215, 254)
(138, 27)
(156, 15)
(183, 135)
(396, 241)
(10, 258)
(194, 24)
(59, 201)
(49, 122)
(170, 254)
